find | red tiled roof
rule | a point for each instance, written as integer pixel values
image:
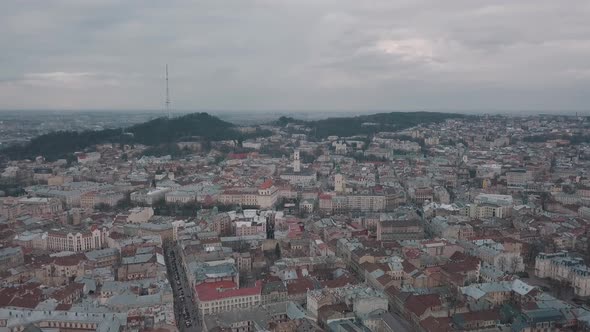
(458, 256)
(337, 283)
(299, 286)
(408, 267)
(63, 306)
(70, 260)
(211, 291)
(432, 324)
(418, 304)
(484, 315)
(413, 253)
(23, 296)
(68, 290)
(384, 279)
(266, 184)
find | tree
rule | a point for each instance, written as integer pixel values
(125, 203)
(103, 207)
(502, 263)
(514, 263)
(278, 251)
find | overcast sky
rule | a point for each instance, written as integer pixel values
(359, 55)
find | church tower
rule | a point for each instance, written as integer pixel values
(338, 181)
(296, 161)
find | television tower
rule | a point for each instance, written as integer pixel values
(167, 95)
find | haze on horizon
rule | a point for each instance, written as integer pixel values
(353, 55)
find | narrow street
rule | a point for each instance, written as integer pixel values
(185, 310)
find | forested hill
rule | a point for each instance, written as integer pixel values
(162, 131)
(158, 131)
(368, 124)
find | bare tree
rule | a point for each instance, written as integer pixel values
(502, 263)
(514, 263)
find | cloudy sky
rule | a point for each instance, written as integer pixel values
(360, 55)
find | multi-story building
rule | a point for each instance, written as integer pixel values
(421, 195)
(301, 178)
(267, 195)
(198, 192)
(60, 270)
(393, 230)
(91, 199)
(222, 224)
(489, 206)
(245, 228)
(102, 258)
(12, 207)
(222, 296)
(66, 239)
(149, 196)
(250, 222)
(273, 291)
(143, 264)
(11, 257)
(561, 267)
(12, 320)
(239, 196)
(34, 239)
(352, 202)
(518, 177)
(399, 229)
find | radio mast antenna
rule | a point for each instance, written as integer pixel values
(167, 95)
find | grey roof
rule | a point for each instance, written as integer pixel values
(7, 252)
(96, 254)
(137, 259)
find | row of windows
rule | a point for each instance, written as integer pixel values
(233, 300)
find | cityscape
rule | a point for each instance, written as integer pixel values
(462, 223)
(295, 166)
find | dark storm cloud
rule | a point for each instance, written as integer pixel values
(296, 54)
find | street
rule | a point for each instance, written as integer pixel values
(185, 309)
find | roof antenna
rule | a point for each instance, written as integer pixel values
(167, 95)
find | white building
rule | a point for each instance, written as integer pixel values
(70, 240)
(267, 195)
(149, 196)
(561, 267)
(339, 183)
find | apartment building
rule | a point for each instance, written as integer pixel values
(222, 224)
(93, 198)
(267, 195)
(66, 239)
(12, 320)
(12, 207)
(489, 206)
(239, 196)
(394, 230)
(352, 202)
(11, 257)
(222, 296)
(102, 258)
(61, 270)
(564, 268)
(518, 177)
